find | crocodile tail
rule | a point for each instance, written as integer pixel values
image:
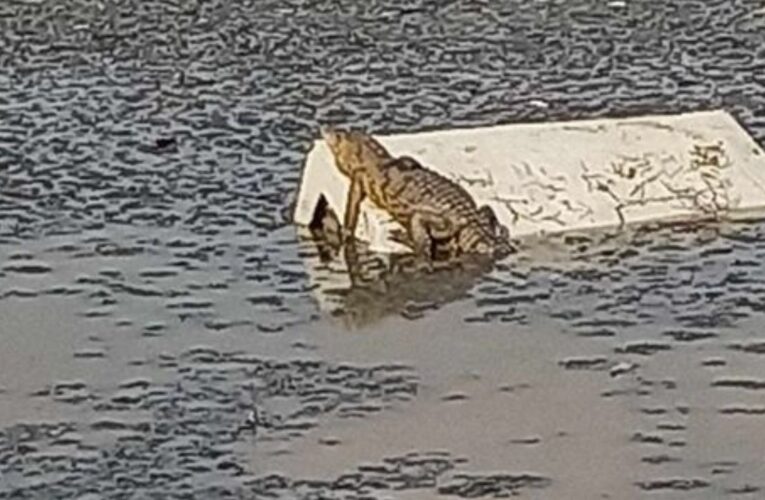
(504, 248)
(483, 241)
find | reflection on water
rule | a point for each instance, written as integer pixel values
(361, 287)
(402, 285)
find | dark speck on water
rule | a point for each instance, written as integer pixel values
(165, 143)
(165, 332)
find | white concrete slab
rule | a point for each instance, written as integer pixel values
(554, 177)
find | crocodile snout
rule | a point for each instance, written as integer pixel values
(330, 135)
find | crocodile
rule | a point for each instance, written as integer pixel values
(439, 216)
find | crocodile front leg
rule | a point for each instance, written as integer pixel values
(350, 252)
(356, 195)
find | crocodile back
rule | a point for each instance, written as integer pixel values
(406, 187)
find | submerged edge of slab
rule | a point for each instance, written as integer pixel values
(555, 177)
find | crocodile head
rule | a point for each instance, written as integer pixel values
(332, 136)
(353, 150)
(340, 143)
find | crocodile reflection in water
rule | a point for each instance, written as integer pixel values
(383, 285)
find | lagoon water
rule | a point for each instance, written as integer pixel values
(161, 331)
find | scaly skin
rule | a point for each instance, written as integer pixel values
(439, 215)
